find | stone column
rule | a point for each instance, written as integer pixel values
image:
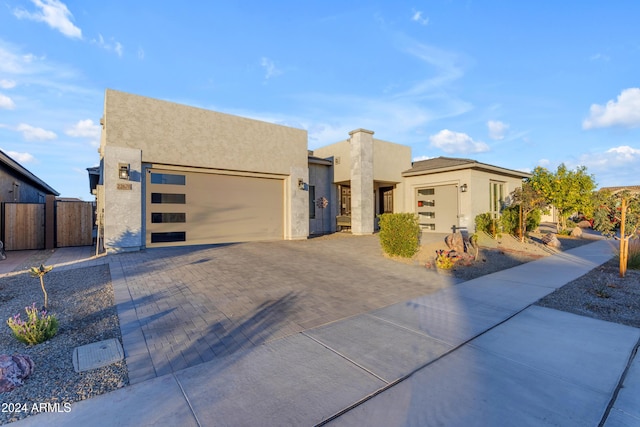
(362, 197)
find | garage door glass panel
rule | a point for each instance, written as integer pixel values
(171, 236)
(167, 178)
(164, 217)
(168, 198)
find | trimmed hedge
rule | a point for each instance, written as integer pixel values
(400, 234)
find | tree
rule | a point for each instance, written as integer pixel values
(569, 191)
(528, 199)
(618, 210)
(39, 272)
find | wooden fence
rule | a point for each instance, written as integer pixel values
(24, 225)
(74, 224)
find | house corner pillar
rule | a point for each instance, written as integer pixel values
(362, 197)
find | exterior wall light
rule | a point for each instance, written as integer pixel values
(123, 170)
(463, 188)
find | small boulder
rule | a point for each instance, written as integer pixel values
(14, 369)
(584, 224)
(455, 242)
(576, 232)
(551, 240)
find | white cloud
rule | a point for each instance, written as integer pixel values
(599, 56)
(86, 129)
(140, 53)
(111, 45)
(417, 159)
(6, 102)
(417, 17)
(614, 158)
(55, 14)
(497, 129)
(544, 163)
(457, 142)
(21, 157)
(623, 112)
(31, 133)
(270, 68)
(7, 84)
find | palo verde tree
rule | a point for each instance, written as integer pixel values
(528, 199)
(618, 211)
(569, 191)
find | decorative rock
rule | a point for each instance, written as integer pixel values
(551, 240)
(584, 224)
(14, 369)
(576, 232)
(455, 242)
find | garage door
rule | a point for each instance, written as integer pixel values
(438, 208)
(188, 208)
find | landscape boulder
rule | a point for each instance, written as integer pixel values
(576, 232)
(584, 224)
(13, 370)
(455, 242)
(551, 240)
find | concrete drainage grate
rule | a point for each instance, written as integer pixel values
(97, 355)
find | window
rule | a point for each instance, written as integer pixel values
(164, 217)
(427, 191)
(168, 198)
(312, 201)
(172, 236)
(426, 203)
(496, 197)
(431, 227)
(166, 178)
(427, 214)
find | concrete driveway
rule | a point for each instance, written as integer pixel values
(180, 307)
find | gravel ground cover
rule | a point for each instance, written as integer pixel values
(82, 300)
(601, 294)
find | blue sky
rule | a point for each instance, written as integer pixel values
(515, 84)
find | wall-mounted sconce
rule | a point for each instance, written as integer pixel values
(123, 170)
(303, 185)
(463, 188)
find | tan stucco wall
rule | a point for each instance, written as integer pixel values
(389, 160)
(341, 154)
(170, 133)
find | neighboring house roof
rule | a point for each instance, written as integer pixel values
(25, 174)
(632, 188)
(446, 164)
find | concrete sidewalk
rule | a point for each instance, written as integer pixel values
(476, 353)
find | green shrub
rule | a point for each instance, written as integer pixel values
(533, 219)
(484, 223)
(510, 219)
(400, 234)
(38, 327)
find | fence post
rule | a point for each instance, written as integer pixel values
(50, 223)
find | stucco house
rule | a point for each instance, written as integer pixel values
(172, 174)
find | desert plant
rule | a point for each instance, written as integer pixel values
(39, 272)
(38, 327)
(633, 254)
(444, 261)
(400, 234)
